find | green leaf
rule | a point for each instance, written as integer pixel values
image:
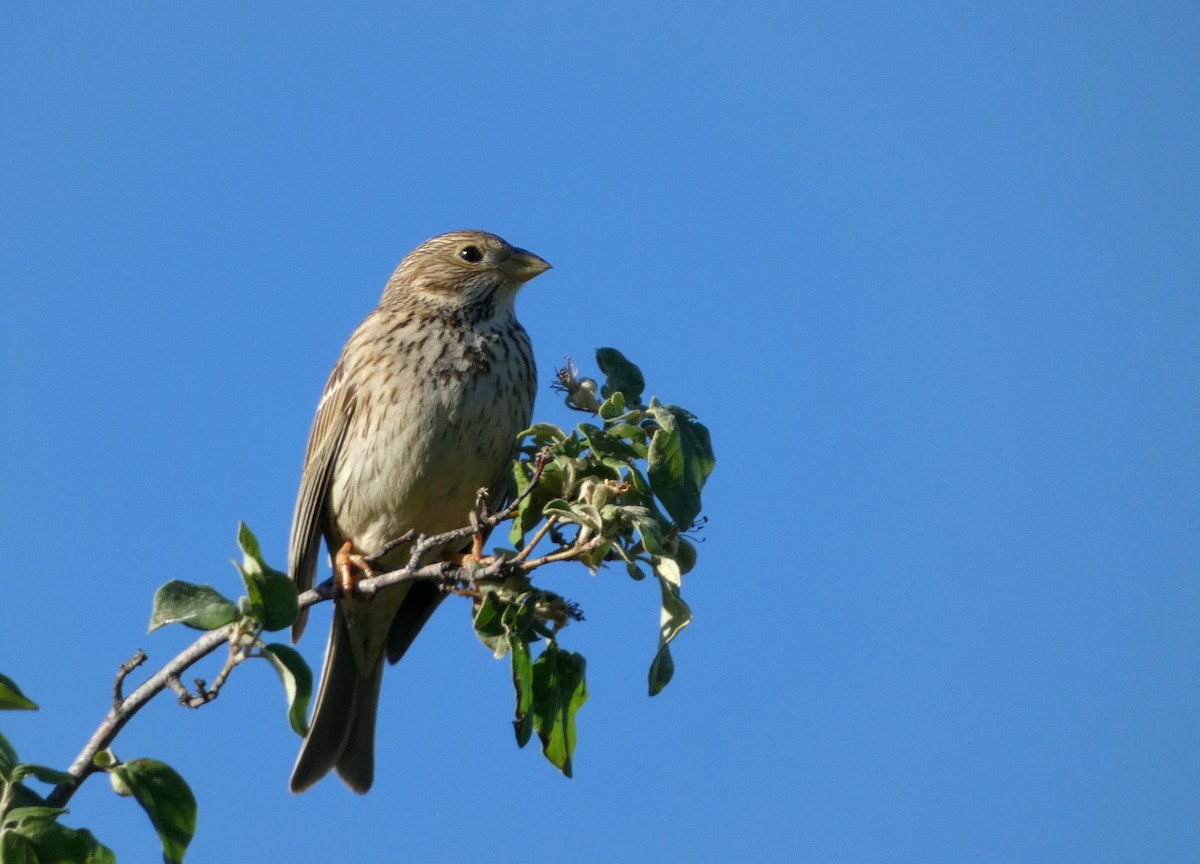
(543, 434)
(613, 407)
(559, 689)
(586, 514)
(197, 606)
(527, 515)
(622, 376)
(662, 670)
(675, 615)
(612, 450)
(641, 485)
(522, 677)
(297, 681)
(558, 507)
(571, 446)
(489, 626)
(579, 512)
(273, 598)
(47, 775)
(11, 697)
(16, 849)
(680, 460)
(650, 527)
(19, 816)
(593, 559)
(43, 840)
(166, 799)
(23, 796)
(521, 472)
(520, 618)
(8, 757)
(507, 628)
(550, 486)
(636, 436)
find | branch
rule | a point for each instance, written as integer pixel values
(128, 666)
(168, 677)
(204, 693)
(547, 526)
(124, 709)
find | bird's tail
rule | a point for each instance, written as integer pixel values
(341, 735)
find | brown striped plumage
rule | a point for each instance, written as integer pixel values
(420, 412)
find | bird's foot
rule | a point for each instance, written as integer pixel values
(345, 562)
(473, 558)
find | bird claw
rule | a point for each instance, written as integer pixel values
(470, 559)
(345, 562)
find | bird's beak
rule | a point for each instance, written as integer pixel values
(523, 266)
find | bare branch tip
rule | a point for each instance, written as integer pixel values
(122, 673)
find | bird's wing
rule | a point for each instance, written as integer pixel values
(324, 445)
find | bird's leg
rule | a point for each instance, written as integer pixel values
(475, 556)
(345, 562)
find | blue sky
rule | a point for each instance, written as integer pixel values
(929, 272)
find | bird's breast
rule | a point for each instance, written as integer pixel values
(435, 419)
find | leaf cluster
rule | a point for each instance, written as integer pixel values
(269, 605)
(31, 831)
(629, 481)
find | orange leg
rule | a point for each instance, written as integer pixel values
(345, 562)
(475, 556)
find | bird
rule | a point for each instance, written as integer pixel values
(422, 411)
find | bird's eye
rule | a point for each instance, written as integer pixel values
(470, 254)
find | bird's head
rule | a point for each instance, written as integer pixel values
(462, 269)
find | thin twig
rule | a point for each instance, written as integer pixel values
(204, 693)
(179, 689)
(540, 461)
(537, 538)
(568, 554)
(119, 684)
(374, 558)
